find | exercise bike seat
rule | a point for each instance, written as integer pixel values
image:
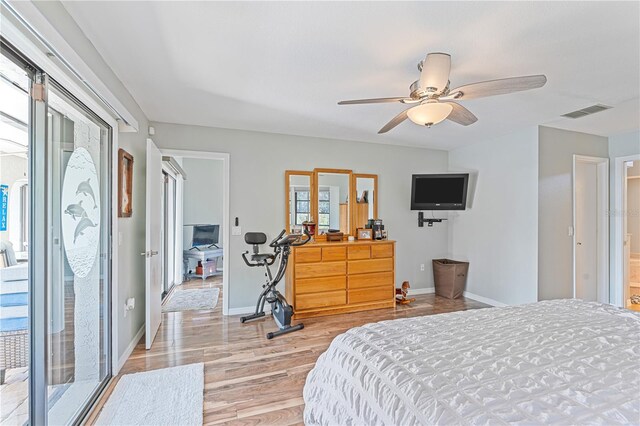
(261, 257)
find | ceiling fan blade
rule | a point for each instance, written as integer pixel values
(394, 121)
(496, 87)
(434, 75)
(373, 101)
(461, 115)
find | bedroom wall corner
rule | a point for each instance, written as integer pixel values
(498, 233)
(555, 206)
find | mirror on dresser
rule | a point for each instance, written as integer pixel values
(333, 192)
(299, 192)
(365, 199)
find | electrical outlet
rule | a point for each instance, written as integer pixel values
(422, 266)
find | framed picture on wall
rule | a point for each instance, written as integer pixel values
(125, 183)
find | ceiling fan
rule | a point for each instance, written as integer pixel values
(434, 101)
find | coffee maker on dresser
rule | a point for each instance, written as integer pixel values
(378, 229)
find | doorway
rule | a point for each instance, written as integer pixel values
(590, 228)
(631, 245)
(208, 180)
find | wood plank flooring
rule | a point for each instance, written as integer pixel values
(249, 379)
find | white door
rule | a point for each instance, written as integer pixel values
(153, 268)
(586, 186)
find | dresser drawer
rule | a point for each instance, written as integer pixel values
(379, 294)
(321, 300)
(360, 252)
(307, 255)
(368, 266)
(334, 253)
(324, 269)
(381, 251)
(371, 280)
(317, 285)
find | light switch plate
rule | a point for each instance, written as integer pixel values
(236, 230)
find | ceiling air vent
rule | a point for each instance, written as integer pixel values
(586, 111)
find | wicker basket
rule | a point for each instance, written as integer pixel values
(14, 350)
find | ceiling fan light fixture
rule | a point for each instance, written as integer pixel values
(429, 113)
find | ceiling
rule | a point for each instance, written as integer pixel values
(282, 66)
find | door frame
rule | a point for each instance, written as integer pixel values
(619, 229)
(225, 158)
(602, 164)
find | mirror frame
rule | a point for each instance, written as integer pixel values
(316, 190)
(354, 192)
(287, 187)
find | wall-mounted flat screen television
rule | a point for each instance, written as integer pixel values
(439, 191)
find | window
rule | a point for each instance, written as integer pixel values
(324, 209)
(302, 206)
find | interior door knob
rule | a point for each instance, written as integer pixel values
(143, 254)
(153, 253)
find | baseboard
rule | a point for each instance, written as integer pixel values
(247, 310)
(417, 291)
(483, 299)
(130, 348)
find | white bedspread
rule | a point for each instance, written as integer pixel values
(553, 362)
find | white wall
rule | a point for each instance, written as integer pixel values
(202, 196)
(257, 165)
(497, 234)
(555, 206)
(130, 278)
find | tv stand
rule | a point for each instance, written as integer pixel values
(208, 259)
(428, 221)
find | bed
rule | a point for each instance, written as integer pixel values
(552, 362)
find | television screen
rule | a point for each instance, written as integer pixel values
(439, 192)
(205, 235)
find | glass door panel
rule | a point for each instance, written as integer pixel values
(15, 106)
(79, 256)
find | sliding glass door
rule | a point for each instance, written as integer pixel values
(65, 200)
(79, 253)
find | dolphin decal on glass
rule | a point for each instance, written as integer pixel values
(85, 188)
(76, 210)
(84, 223)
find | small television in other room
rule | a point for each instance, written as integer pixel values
(439, 192)
(205, 235)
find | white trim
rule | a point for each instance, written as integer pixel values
(132, 345)
(206, 155)
(602, 164)
(617, 296)
(418, 291)
(73, 64)
(484, 299)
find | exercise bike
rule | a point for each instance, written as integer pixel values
(282, 312)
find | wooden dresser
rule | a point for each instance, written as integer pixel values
(326, 278)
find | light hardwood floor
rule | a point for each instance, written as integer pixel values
(249, 379)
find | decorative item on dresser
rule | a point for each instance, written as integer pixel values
(329, 278)
(364, 234)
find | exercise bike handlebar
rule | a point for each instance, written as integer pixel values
(290, 240)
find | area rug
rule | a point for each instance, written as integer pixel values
(192, 300)
(169, 396)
